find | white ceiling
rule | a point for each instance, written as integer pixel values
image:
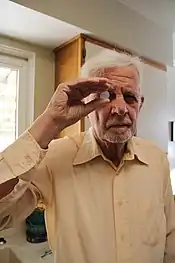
(22, 23)
(161, 12)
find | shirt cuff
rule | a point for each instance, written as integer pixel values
(23, 155)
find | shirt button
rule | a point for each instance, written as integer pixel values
(120, 203)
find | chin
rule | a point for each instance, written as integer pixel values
(118, 138)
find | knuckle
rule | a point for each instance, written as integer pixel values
(61, 85)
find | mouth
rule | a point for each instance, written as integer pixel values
(118, 126)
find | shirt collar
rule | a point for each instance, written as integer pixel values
(89, 150)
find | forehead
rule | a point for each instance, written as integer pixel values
(126, 76)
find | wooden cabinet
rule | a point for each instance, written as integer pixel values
(68, 62)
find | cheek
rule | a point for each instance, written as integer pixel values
(133, 112)
(102, 115)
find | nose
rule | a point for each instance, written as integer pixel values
(119, 106)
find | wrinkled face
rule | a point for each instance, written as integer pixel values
(117, 121)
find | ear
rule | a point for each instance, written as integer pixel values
(141, 102)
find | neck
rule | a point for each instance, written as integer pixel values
(112, 151)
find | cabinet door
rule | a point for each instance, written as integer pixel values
(68, 61)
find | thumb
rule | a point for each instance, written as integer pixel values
(94, 104)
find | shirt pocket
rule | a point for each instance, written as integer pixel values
(153, 224)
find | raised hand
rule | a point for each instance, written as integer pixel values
(68, 106)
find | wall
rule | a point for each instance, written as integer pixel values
(112, 21)
(153, 118)
(44, 72)
(171, 114)
(171, 92)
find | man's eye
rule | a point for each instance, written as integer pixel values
(112, 95)
(130, 98)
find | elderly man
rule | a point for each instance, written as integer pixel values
(107, 194)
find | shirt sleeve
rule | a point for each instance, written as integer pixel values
(20, 157)
(170, 215)
(26, 160)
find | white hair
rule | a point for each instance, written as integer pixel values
(110, 58)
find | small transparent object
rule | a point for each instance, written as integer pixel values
(105, 95)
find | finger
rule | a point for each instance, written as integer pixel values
(77, 96)
(85, 90)
(85, 81)
(82, 88)
(92, 83)
(88, 84)
(95, 104)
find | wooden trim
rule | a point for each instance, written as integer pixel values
(118, 48)
(67, 42)
(81, 48)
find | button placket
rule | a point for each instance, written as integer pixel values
(121, 219)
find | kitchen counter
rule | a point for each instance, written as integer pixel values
(25, 251)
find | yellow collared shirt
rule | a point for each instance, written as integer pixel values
(95, 212)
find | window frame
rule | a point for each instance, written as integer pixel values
(24, 61)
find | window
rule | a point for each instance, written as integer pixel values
(8, 107)
(16, 98)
